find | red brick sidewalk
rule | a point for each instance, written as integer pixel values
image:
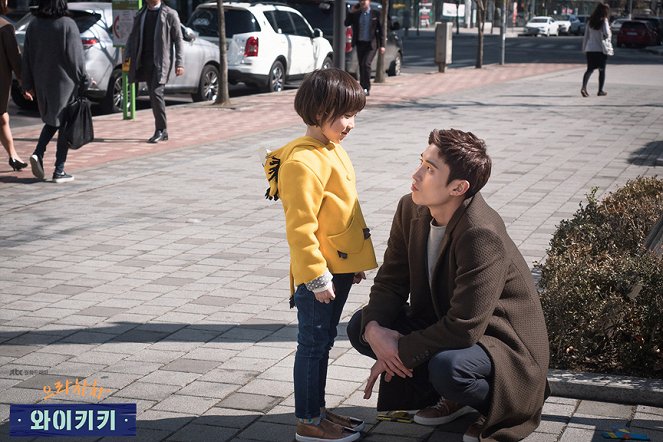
(197, 124)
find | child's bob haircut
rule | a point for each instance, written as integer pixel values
(327, 94)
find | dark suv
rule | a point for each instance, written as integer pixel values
(320, 14)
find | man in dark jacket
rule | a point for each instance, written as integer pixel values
(473, 331)
(155, 31)
(366, 38)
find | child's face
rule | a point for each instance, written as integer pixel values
(337, 129)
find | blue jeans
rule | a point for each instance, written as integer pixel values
(315, 338)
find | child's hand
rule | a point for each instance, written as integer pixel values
(358, 277)
(326, 296)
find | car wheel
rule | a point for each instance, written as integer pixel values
(276, 77)
(208, 86)
(327, 63)
(19, 100)
(112, 103)
(395, 66)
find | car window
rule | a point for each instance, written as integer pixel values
(271, 18)
(84, 20)
(633, 25)
(539, 20)
(205, 21)
(301, 27)
(319, 16)
(284, 23)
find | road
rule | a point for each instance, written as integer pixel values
(419, 53)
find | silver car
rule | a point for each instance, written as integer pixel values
(104, 66)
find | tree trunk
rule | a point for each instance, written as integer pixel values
(379, 69)
(223, 96)
(481, 12)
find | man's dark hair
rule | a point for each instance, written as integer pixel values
(601, 12)
(327, 94)
(52, 9)
(3, 7)
(466, 156)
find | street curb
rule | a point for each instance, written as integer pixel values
(606, 388)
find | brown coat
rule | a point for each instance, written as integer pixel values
(482, 292)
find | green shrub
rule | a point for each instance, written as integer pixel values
(601, 290)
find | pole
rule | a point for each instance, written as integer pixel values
(457, 17)
(503, 33)
(339, 34)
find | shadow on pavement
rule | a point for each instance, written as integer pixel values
(650, 154)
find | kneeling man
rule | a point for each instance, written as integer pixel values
(454, 303)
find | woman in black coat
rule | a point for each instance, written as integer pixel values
(53, 72)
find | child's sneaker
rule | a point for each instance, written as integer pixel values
(327, 431)
(345, 421)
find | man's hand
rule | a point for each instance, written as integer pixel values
(376, 370)
(384, 343)
(382, 50)
(179, 71)
(358, 277)
(326, 296)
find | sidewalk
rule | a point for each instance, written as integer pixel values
(161, 272)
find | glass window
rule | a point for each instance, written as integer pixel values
(284, 23)
(205, 21)
(301, 27)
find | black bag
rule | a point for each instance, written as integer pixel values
(412, 393)
(78, 130)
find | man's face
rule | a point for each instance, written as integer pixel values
(429, 180)
(365, 4)
(153, 3)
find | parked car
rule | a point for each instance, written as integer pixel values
(578, 26)
(636, 33)
(616, 25)
(320, 13)
(267, 44)
(656, 23)
(103, 64)
(564, 22)
(542, 26)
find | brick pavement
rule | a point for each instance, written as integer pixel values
(164, 276)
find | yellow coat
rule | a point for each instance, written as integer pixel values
(324, 224)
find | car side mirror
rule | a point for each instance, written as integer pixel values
(188, 34)
(317, 33)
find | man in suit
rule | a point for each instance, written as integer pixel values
(453, 309)
(366, 38)
(155, 31)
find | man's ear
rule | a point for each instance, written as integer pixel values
(459, 187)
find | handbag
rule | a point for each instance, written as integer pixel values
(606, 45)
(78, 129)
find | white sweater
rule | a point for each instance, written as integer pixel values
(592, 40)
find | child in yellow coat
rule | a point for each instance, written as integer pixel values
(330, 245)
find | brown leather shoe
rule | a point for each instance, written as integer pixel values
(345, 421)
(327, 431)
(443, 412)
(474, 431)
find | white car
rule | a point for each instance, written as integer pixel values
(542, 26)
(267, 44)
(564, 22)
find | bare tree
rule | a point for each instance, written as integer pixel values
(481, 12)
(222, 96)
(379, 69)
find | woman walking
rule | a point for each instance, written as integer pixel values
(10, 61)
(54, 68)
(596, 31)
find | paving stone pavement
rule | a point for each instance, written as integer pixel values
(161, 272)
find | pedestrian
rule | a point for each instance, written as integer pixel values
(155, 32)
(10, 61)
(597, 29)
(330, 245)
(366, 38)
(53, 73)
(453, 309)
